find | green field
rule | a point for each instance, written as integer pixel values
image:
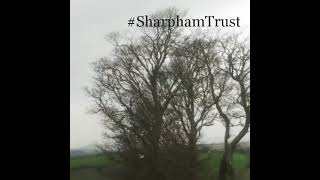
(210, 163)
(98, 167)
(90, 161)
(91, 167)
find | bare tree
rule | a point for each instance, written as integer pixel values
(133, 90)
(192, 105)
(229, 76)
(158, 90)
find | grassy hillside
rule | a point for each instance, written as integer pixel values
(87, 174)
(99, 167)
(210, 163)
(89, 161)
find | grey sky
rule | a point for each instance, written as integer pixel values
(91, 20)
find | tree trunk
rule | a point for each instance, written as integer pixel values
(193, 160)
(226, 171)
(157, 173)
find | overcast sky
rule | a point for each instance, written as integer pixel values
(91, 20)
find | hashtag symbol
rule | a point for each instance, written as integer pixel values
(130, 22)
